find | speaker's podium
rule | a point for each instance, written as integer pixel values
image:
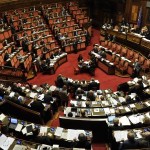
(99, 127)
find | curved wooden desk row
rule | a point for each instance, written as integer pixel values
(124, 58)
(106, 66)
(131, 40)
(79, 83)
(59, 61)
(123, 133)
(62, 137)
(68, 28)
(104, 111)
(53, 20)
(16, 144)
(27, 15)
(99, 127)
(69, 48)
(67, 22)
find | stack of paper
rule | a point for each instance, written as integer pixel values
(6, 142)
(2, 117)
(58, 131)
(124, 121)
(120, 135)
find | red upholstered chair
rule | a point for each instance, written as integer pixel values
(146, 65)
(141, 59)
(123, 69)
(113, 58)
(114, 45)
(109, 46)
(130, 54)
(117, 61)
(136, 56)
(118, 49)
(106, 44)
(120, 64)
(124, 51)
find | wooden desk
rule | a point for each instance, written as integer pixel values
(134, 38)
(106, 67)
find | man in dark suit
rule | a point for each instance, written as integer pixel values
(82, 142)
(48, 97)
(37, 106)
(60, 81)
(75, 44)
(131, 143)
(93, 84)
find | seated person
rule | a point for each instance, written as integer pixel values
(83, 113)
(87, 103)
(93, 84)
(60, 81)
(48, 97)
(91, 96)
(80, 58)
(82, 142)
(70, 114)
(79, 91)
(116, 125)
(145, 142)
(131, 143)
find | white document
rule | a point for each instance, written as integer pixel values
(83, 104)
(64, 135)
(7, 143)
(43, 130)
(73, 102)
(3, 138)
(112, 110)
(21, 147)
(121, 99)
(72, 134)
(134, 119)
(124, 121)
(84, 97)
(107, 110)
(120, 135)
(2, 117)
(52, 88)
(126, 109)
(147, 103)
(19, 127)
(58, 131)
(132, 105)
(32, 94)
(41, 97)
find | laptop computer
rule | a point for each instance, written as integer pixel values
(13, 123)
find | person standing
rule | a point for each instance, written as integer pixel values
(136, 69)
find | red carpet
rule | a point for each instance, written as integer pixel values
(67, 70)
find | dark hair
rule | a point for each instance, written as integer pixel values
(70, 114)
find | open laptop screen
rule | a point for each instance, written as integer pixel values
(13, 120)
(111, 118)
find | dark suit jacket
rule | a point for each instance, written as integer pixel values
(47, 98)
(84, 144)
(37, 106)
(129, 145)
(92, 85)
